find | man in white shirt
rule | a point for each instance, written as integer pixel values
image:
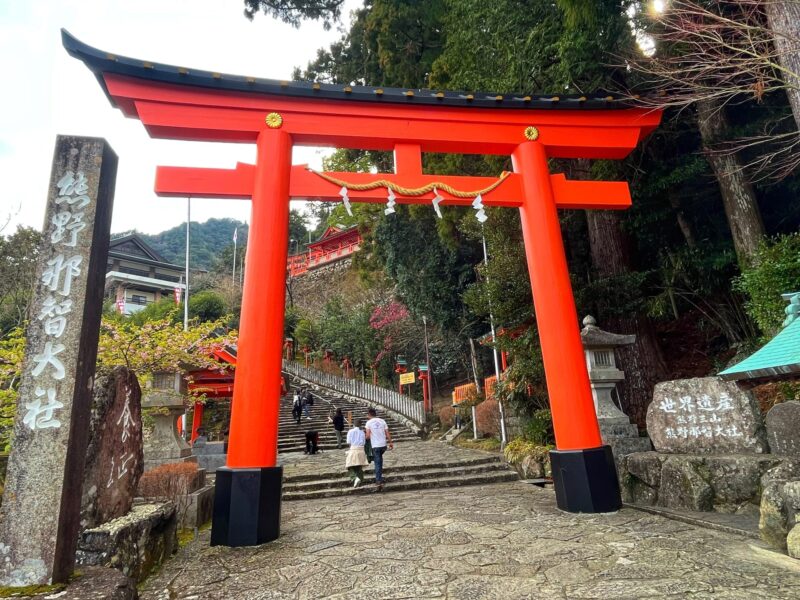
(378, 434)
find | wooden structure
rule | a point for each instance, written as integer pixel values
(333, 245)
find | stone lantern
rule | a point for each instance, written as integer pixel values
(615, 427)
(165, 392)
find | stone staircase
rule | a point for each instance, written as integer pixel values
(291, 435)
(413, 464)
(479, 471)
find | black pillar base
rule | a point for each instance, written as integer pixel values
(247, 506)
(586, 480)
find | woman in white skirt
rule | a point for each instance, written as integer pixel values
(356, 459)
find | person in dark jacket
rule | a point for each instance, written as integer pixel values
(338, 427)
(297, 406)
(312, 442)
(308, 402)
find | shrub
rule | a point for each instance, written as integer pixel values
(487, 415)
(173, 482)
(775, 270)
(446, 416)
(529, 459)
(539, 428)
(206, 306)
(518, 449)
(169, 481)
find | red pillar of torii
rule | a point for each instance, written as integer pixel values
(179, 103)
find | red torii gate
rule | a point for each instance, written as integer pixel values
(179, 103)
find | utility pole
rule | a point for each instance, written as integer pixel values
(233, 275)
(186, 295)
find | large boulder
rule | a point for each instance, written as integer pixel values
(114, 459)
(780, 503)
(705, 415)
(793, 542)
(783, 428)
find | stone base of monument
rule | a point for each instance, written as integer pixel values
(585, 481)
(623, 437)
(247, 506)
(697, 482)
(210, 455)
(136, 543)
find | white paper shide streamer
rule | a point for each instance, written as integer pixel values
(437, 200)
(480, 213)
(346, 201)
(390, 202)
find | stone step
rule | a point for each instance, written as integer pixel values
(441, 465)
(325, 446)
(325, 436)
(393, 476)
(479, 479)
(327, 429)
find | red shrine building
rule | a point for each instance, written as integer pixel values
(333, 245)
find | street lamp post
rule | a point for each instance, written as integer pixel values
(503, 438)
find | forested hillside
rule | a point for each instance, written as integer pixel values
(712, 238)
(207, 240)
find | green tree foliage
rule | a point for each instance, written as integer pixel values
(308, 334)
(144, 347)
(163, 309)
(679, 253)
(347, 333)
(18, 254)
(776, 271)
(12, 345)
(390, 42)
(431, 277)
(206, 306)
(294, 11)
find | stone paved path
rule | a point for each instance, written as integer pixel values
(502, 541)
(407, 453)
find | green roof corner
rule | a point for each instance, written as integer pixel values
(777, 359)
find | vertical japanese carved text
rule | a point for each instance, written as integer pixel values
(41, 504)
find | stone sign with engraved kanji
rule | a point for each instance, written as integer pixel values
(41, 502)
(705, 415)
(114, 457)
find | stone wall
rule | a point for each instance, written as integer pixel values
(312, 290)
(722, 483)
(135, 544)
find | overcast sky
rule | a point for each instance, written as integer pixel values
(46, 92)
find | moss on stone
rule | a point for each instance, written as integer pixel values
(185, 537)
(31, 590)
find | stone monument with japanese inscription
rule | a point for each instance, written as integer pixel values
(114, 458)
(783, 428)
(705, 415)
(41, 503)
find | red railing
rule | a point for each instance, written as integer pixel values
(488, 386)
(297, 264)
(464, 392)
